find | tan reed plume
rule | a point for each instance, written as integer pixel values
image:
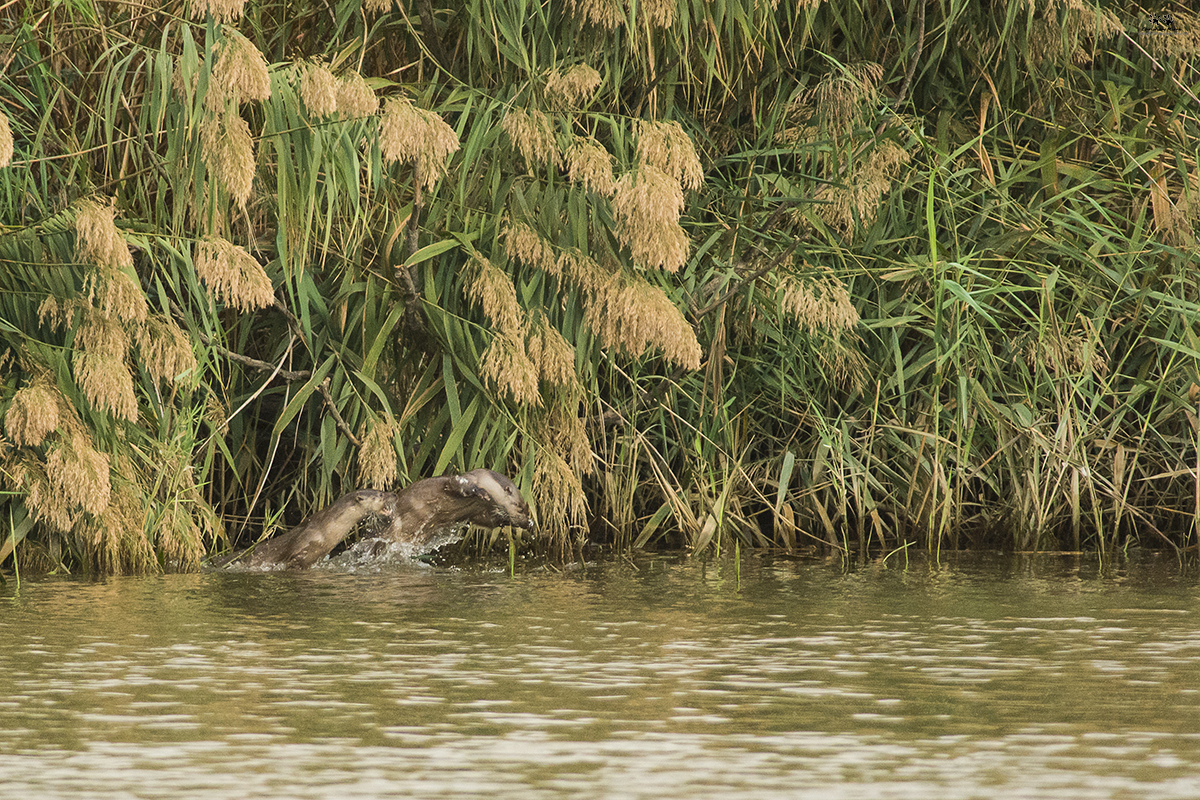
(506, 367)
(532, 134)
(354, 97)
(590, 166)
(221, 10)
(97, 240)
(229, 154)
(646, 204)
(239, 74)
(492, 290)
(416, 135)
(318, 90)
(377, 466)
(232, 275)
(571, 88)
(33, 413)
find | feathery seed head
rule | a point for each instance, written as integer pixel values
(80, 473)
(107, 384)
(607, 14)
(221, 10)
(318, 90)
(46, 502)
(491, 289)
(101, 333)
(552, 356)
(646, 204)
(666, 147)
(505, 365)
(591, 166)
(531, 133)
(229, 154)
(233, 275)
(164, 348)
(522, 243)
(569, 89)
(635, 316)
(33, 413)
(239, 74)
(116, 293)
(583, 271)
(379, 6)
(377, 455)
(660, 13)
(355, 98)
(50, 313)
(557, 490)
(818, 303)
(411, 134)
(97, 240)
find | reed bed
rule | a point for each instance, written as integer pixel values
(821, 275)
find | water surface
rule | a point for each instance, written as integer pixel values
(976, 677)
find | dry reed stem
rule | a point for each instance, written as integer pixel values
(6, 141)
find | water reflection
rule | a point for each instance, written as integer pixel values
(972, 677)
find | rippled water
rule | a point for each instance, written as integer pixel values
(978, 677)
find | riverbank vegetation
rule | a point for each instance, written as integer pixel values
(845, 274)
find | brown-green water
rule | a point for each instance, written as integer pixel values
(980, 677)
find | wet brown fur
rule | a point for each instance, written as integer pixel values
(417, 515)
(311, 540)
(432, 506)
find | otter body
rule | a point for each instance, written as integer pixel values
(435, 506)
(311, 540)
(419, 516)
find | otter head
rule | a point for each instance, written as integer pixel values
(497, 501)
(372, 501)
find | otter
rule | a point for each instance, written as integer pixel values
(424, 512)
(311, 540)
(434, 507)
